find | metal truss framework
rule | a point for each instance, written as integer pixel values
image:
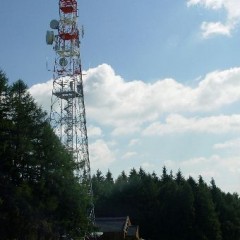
(67, 104)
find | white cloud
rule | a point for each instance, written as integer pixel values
(100, 155)
(214, 4)
(224, 28)
(129, 155)
(134, 142)
(178, 124)
(94, 131)
(148, 166)
(217, 89)
(231, 144)
(215, 28)
(127, 106)
(42, 93)
(114, 102)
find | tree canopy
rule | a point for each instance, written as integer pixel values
(169, 207)
(40, 196)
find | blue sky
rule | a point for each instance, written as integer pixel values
(162, 81)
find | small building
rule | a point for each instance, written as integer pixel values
(117, 228)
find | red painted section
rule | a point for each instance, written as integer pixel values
(68, 36)
(68, 6)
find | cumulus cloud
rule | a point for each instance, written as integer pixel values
(94, 131)
(148, 166)
(115, 102)
(129, 155)
(231, 144)
(42, 93)
(134, 142)
(224, 28)
(215, 28)
(217, 89)
(127, 106)
(214, 4)
(100, 154)
(175, 123)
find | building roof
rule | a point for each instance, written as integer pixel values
(112, 224)
(132, 231)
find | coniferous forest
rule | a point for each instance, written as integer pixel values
(41, 198)
(169, 207)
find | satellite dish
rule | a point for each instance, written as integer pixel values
(63, 62)
(50, 37)
(54, 24)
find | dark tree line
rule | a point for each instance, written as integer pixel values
(40, 197)
(169, 207)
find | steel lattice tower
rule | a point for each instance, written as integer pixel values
(67, 104)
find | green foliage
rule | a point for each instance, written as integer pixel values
(169, 207)
(40, 197)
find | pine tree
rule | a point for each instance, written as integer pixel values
(40, 197)
(207, 225)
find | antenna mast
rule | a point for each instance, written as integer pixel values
(67, 104)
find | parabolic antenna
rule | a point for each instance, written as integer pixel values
(50, 37)
(63, 62)
(54, 24)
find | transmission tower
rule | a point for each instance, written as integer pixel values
(67, 103)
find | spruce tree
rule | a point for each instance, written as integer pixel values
(40, 196)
